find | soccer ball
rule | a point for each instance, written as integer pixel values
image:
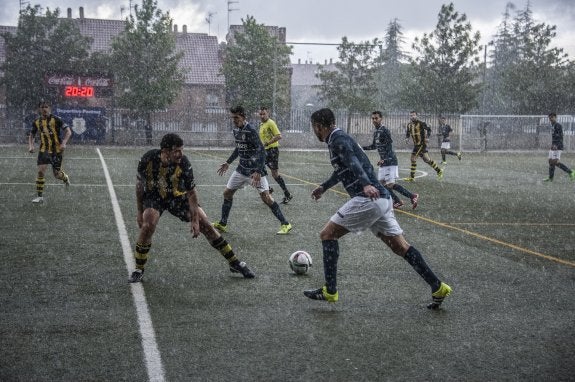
(299, 262)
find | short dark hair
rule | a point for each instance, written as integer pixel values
(378, 113)
(43, 102)
(171, 140)
(552, 115)
(324, 117)
(264, 108)
(238, 110)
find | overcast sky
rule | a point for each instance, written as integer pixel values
(323, 21)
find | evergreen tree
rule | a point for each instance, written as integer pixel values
(389, 68)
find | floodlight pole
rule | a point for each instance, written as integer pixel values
(230, 2)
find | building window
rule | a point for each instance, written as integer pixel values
(212, 101)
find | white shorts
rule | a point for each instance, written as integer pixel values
(388, 174)
(446, 145)
(361, 213)
(238, 181)
(555, 154)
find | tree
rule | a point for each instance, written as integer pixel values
(352, 85)
(256, 68)
(389, 68)
(443, 77)
(531, 83)
(42, 45)
(145, 63)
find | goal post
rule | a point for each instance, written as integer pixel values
(511, 132)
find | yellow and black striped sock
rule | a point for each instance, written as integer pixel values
(141, 254)
(434, 166)
(40, 182)
(225, 249)
(412, 169)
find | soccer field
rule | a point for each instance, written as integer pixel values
(503, 239)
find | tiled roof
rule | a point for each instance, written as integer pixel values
(201, 63)
(102, 31)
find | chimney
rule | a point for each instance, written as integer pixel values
(184, 28)
(299, 61)
(81, 12)
(325, 62)
(69, 13)
(176, 28)
(330, 61)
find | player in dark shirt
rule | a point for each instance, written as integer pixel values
(369, 208)
(555, 151)
(165, 182)
(419, 133)
(54, 136)
(250, 171)
(444, 130)
(388, 169)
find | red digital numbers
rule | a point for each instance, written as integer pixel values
(79, 91)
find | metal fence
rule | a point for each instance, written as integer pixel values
(212, 129)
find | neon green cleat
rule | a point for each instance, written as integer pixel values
(548, 180)
(439, 295)
(440, 174)
(220, 227)
(284, 229)
(321, 294)
(409, 179)
(459, 155)
(572, 175)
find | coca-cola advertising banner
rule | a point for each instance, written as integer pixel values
(73, 80)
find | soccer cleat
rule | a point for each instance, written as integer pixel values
(39, 199)
(287, 198)
(548, 180)
(397, 204)
(438, 296)
(409, 179)
(136, 276)
(321, 294)
(220, 227)
(440, 174)
(271, 191)
(284, 229)
(67, 181)
(443, 162)
(414, 200)
(572, 175)
(242, 268)
(459, 154)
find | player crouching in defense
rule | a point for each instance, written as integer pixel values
(165, 181)
(370, 207)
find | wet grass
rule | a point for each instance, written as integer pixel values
(501, 237)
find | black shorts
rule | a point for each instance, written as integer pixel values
(272, 158)
(419, 150)
(179, 207)
(50, 158)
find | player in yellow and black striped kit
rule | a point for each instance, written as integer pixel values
(419, 133)
(54, 136)
(165, 181)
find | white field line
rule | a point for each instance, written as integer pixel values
(151, 353)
